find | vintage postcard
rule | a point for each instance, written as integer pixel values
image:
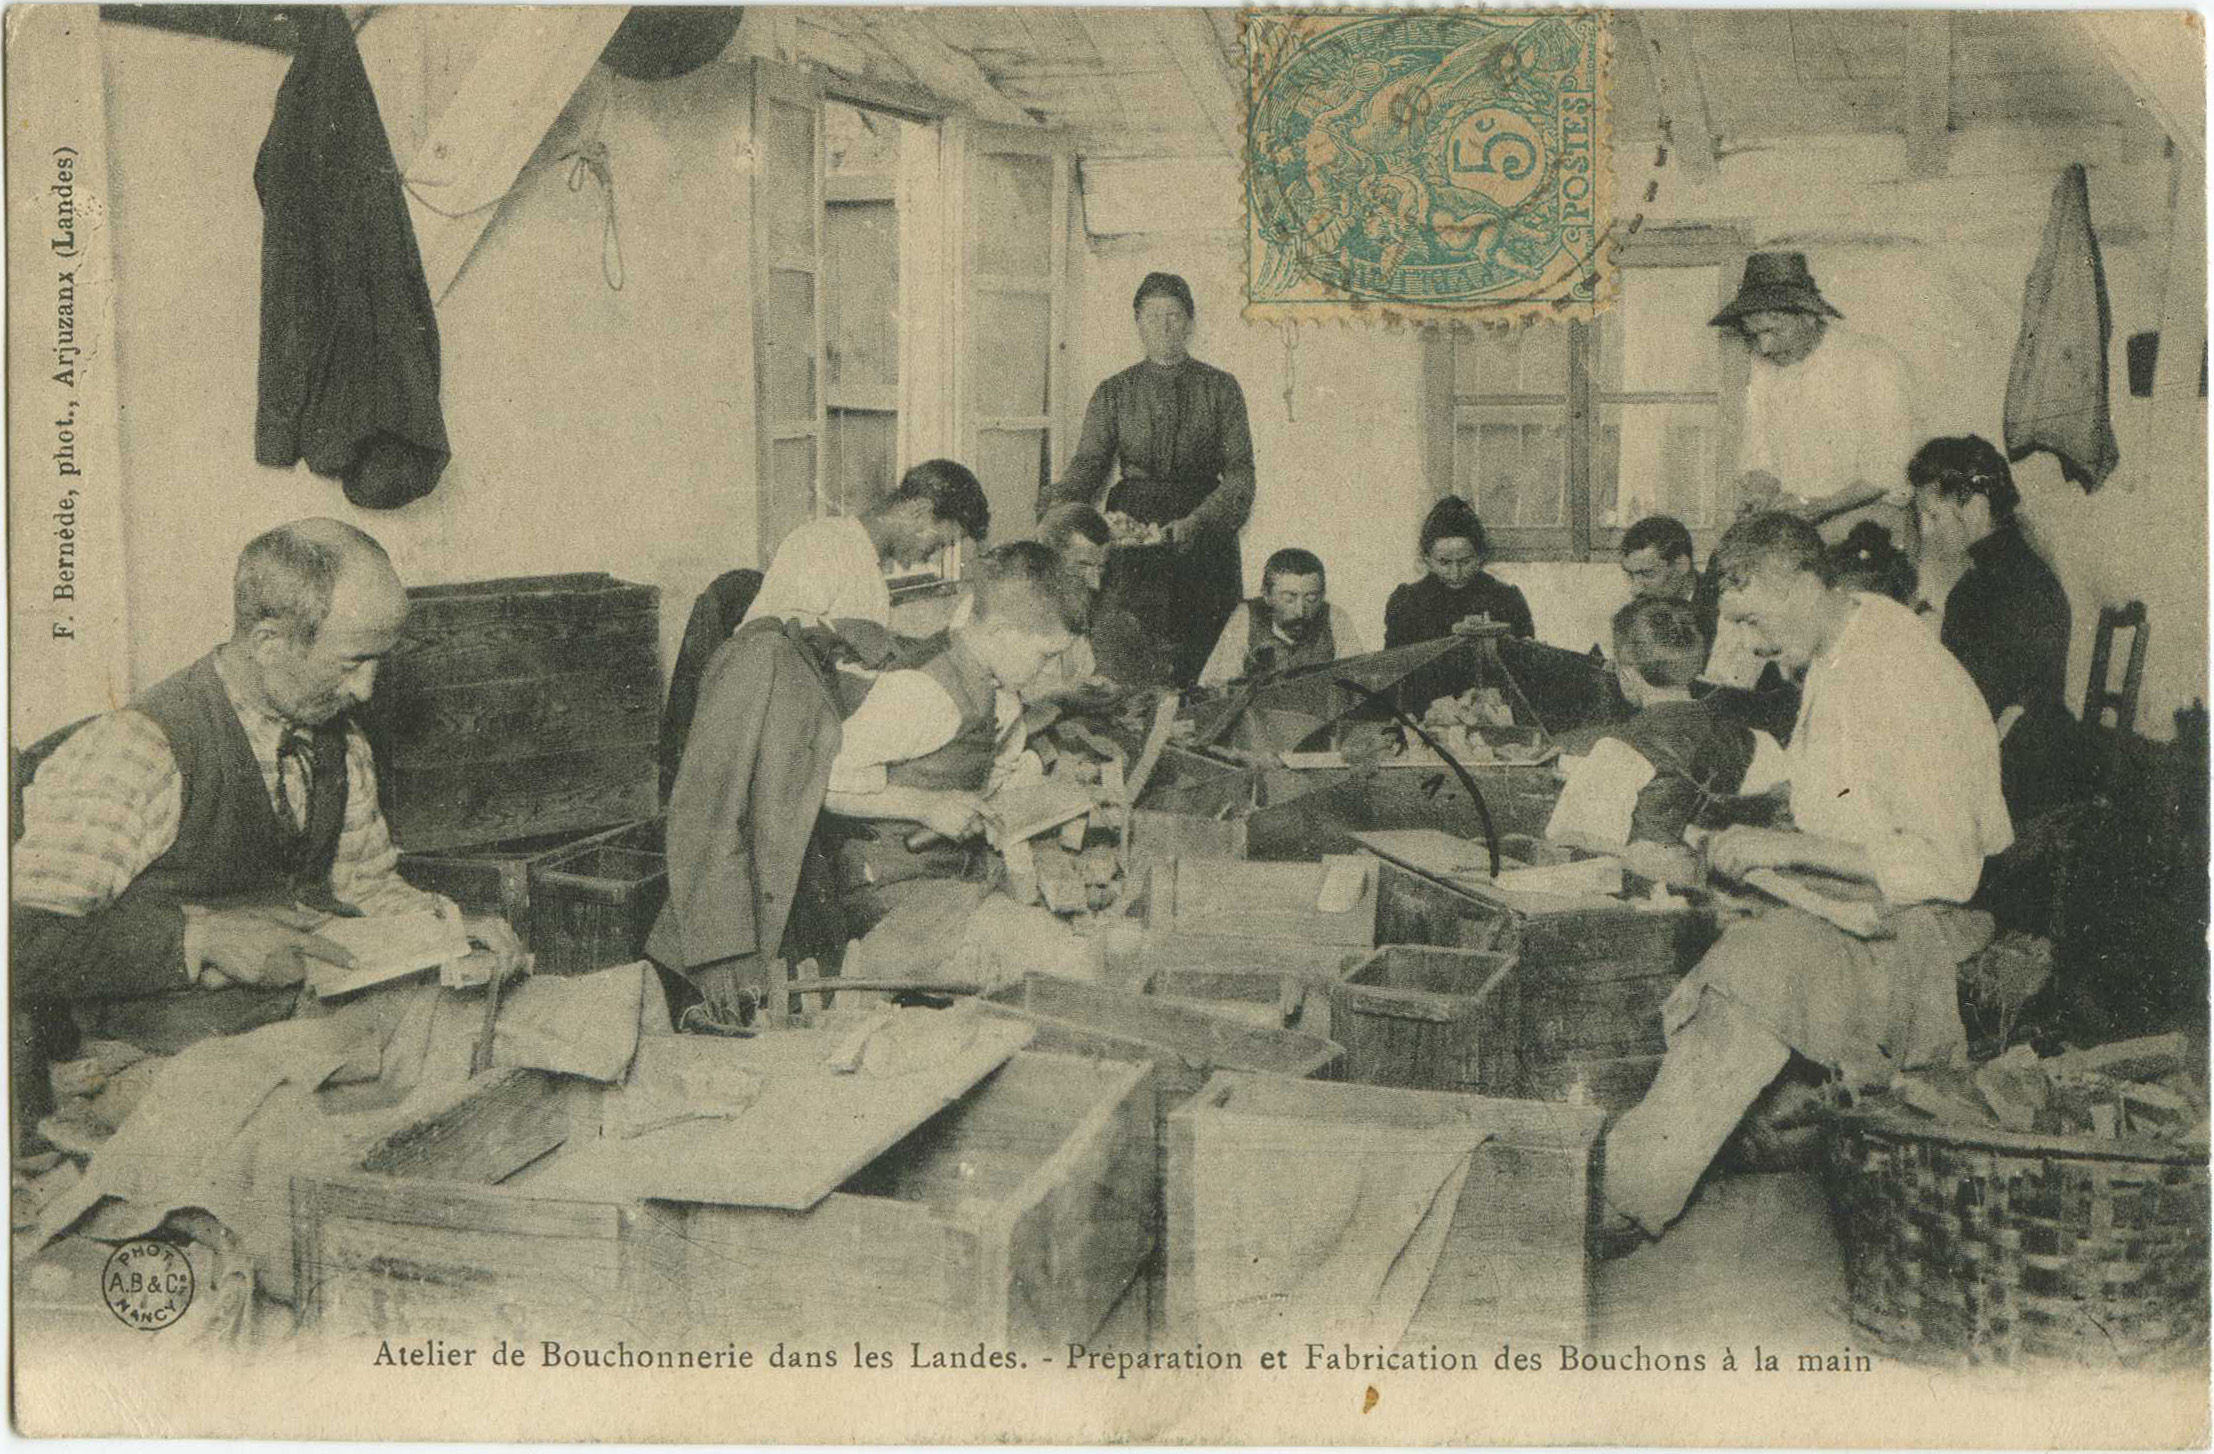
(725, 726)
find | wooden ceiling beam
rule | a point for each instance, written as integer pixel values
(1685, 118)
(951, 73)
(1197, 51)
(1929, 74)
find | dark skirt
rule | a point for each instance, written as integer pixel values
(1180, 596)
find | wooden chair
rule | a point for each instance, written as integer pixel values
(2099, 697)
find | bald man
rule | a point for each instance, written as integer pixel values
(177, 853)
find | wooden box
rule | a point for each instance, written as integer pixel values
(1590, 982)
(1271, 982)
(1432, 1019)
(1019, 1215)
(517, 708)
(1513, 1265)
(593, 905)
(1233, 898)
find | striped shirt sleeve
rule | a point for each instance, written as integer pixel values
(101, 809)
(366, 870)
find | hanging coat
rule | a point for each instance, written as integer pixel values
(349, 342)
(2056, 395)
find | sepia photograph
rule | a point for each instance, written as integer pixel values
(1171, 726)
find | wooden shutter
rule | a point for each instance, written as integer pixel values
(787, 216)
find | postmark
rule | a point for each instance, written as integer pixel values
(148, 1285)
(1426, 165)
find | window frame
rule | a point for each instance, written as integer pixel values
(1581, 539)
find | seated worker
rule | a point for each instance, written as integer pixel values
(1291, 624)
(927, 745)
(832, 569)
(1866, 560)
(1657, 559)
(1457, 594)
(1893, 774)
(177, 852)
(1686, 754)
(1113, 646)
(2006, 618)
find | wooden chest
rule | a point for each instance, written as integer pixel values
(1590, 981)
(1019, 1215)
(580, 902)
(1513, 1264)
(1431, 1019)
(517, 708)
(1232, 898)
(1272, 982)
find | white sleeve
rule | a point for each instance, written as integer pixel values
(1228, 658)
(905, 715)
(1752, 439)
(1888, 441)
(1341, 631)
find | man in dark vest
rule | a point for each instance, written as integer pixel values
(1291, 624)
(177, 853)
(925, 746)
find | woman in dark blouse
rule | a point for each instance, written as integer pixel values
(1457, 594)
(1177, 429)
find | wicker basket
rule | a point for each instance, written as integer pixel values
(1970, 1245)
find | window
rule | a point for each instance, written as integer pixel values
(911, 296)
(1562, 435)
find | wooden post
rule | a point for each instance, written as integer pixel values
(1929, 69)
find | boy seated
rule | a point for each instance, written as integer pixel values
(927, 745)
(1649, 779)
(1291, 624)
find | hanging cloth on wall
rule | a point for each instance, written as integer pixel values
(349, 342)
(2056, 395)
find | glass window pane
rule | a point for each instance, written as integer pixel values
(1661, 313)
(1014, 346)
(788, 178)
(861, 295)
(862, 451)
(1014, 214)
(1511, 463)
(1011, 464)
(1657, 459)
(790, 500)
(790, 338)
(1532, 360)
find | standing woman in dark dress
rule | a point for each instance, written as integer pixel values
(1177, 429)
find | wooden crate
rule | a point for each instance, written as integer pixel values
(516, 708)
(1432, 1019)
(1019, 1215)
(505, 878)
(1514, 1265)
(594, 904)
(1232, 898)
(1183, 1046)
(1591, 981)
(1277, 982)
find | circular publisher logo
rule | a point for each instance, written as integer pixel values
(148, 1285)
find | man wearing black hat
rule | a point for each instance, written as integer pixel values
(1828, 426)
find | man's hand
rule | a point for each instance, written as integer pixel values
(493, 936)
(954, 815)
(263, 946)
(1736, 852)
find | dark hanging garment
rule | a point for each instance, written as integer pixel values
(349, 341)
(2056, 395)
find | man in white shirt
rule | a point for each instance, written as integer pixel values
(927, 745)
(1894, 780)
(832, 569)
(1291, 624)
(1828, 422)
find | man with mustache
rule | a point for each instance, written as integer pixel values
(1290, 624)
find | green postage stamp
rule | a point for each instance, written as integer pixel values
(1425, 164)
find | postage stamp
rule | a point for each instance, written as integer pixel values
(1449, 163)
